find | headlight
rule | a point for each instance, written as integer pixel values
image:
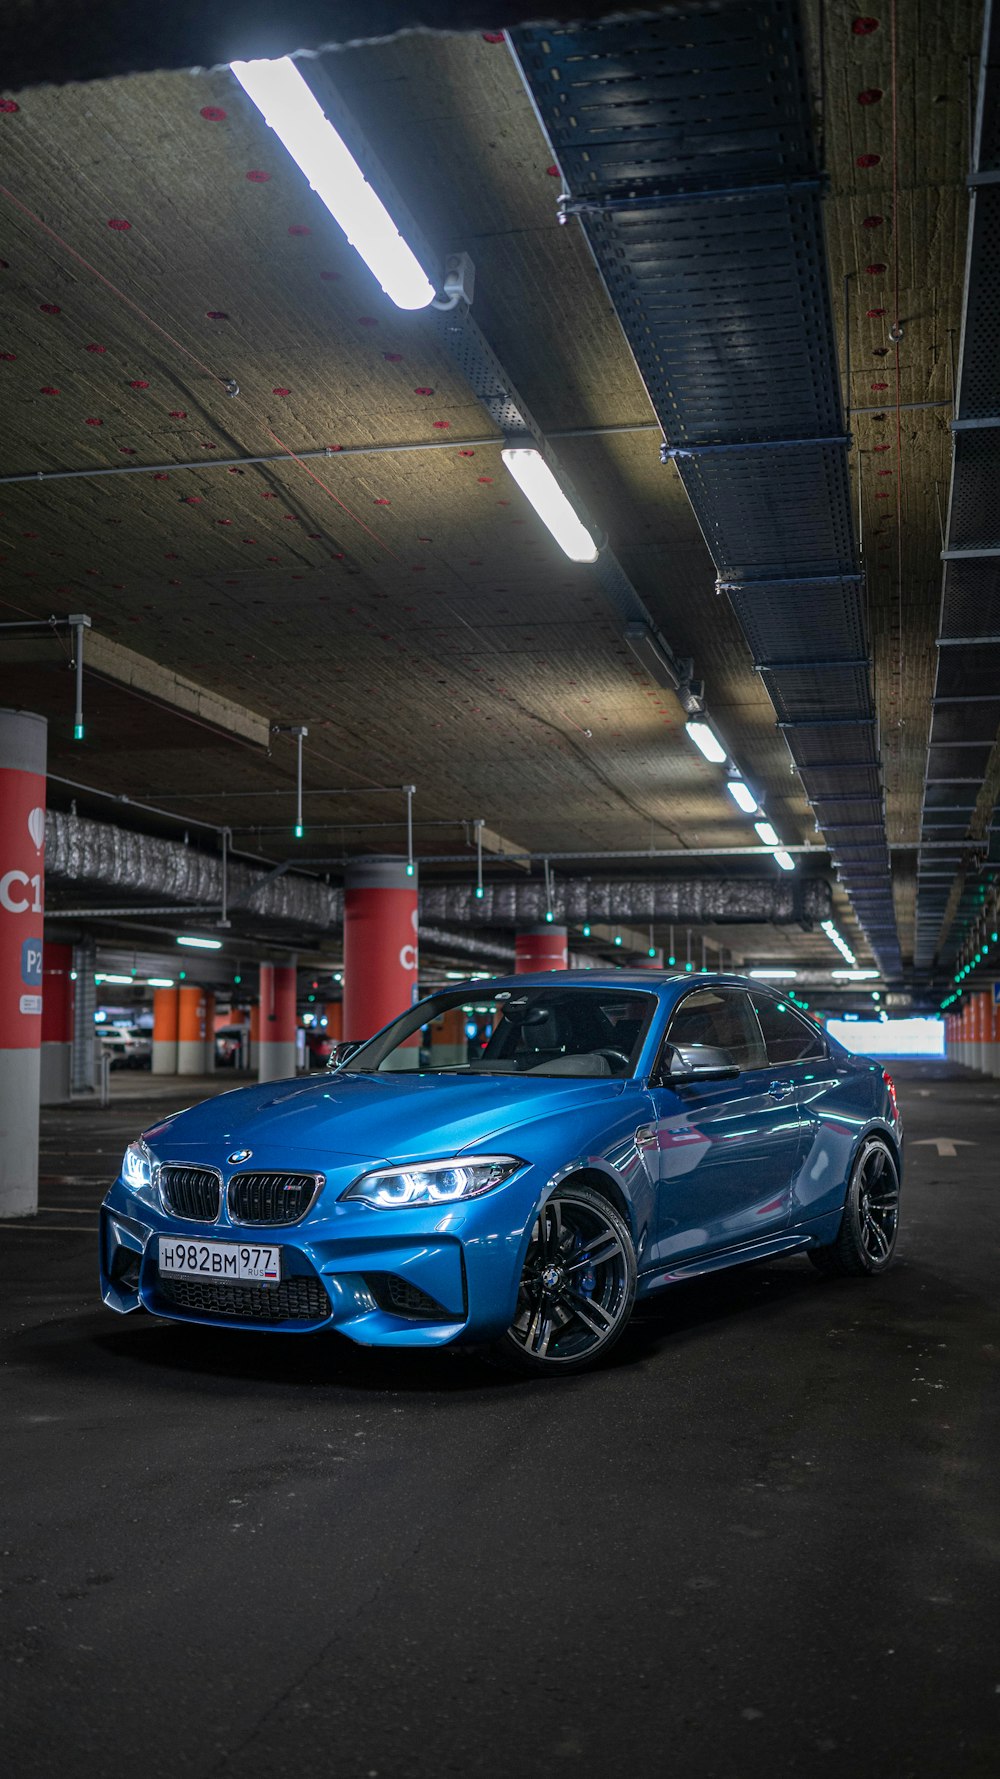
(137, 1167)
(434, 1182)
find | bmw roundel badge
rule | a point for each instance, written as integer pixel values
(240, 1155)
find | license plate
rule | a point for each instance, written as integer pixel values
(256, 1261)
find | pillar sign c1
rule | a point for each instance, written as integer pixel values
(22, 885)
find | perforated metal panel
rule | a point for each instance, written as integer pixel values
(687, 154)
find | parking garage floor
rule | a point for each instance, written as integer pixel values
(763, 1540)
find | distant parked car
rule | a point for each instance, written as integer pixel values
(616, 1135)
(128, 1046)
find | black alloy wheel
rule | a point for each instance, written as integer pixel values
(867, 1235)
(577, 1287)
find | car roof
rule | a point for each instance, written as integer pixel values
(657, 982)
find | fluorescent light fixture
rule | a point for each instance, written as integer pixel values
(742, 795)
(774, 975)
(838, 940)
(456, 976)
(784, 859)
(199, 944)
(537, 483)
(298, 120)
(705, 738)
(855, 975)
(127, 980)
(767, 833)
(161, 981)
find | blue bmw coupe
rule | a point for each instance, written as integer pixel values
(601, 1137)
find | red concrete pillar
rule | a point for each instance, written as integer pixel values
(540, 948)
(993, 1031)
(22, 901)
(165, 1031)
(57, 1023)
(276, 1047)
(255, 1038)
(380, 945)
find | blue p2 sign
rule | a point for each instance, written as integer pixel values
(31, 963)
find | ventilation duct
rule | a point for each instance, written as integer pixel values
(583, 901)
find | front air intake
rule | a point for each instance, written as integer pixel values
(269, 1199)
(192, 1192)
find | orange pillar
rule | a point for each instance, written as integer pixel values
(380, 945)
(334, 1013)
(57, 1023)
(993, 1031)
(276, 1046)
(255, 1037)
(209, 1031)
(190, 1030)
(540, 948)
(448, 1040)
(165, 1002)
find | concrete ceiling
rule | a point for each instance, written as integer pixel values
(407, 605)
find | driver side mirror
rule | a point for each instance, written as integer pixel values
(339, 1053)
(697, 1062)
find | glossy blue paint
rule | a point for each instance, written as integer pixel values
(706, 1174)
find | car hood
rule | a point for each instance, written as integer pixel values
(377, 1117)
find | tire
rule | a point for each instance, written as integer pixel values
(866, 1239)
(577, 1287)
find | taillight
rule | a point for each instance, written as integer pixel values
(891, 1085)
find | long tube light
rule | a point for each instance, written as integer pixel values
(773, 975)
(838, 940)
(706, 740)
(854, 975)
(298, 120)
(537, 483)
(742, 795)
(767, 833)
(784, 859)
(199, 944)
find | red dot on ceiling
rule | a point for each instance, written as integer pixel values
(126, 450)
(280, 391)
(223, 521)
(9, 105)
(178, 414)
(267, 495)
(467, 453)
(873, 222)
(93, 421)
(299, 228)
(137, 383)
(885, 472)
(161, 476)
(881, 497)
(424, 540)
(423, 390)
(868, 160)
(49, 390)
(873, 314)
(333, 448)
(870, 96)
(484, 478)
(881, 447)
(875, 271)
(491, 36)
(382, 502)
(863, 27)
(50, 308)
(94, 347)
(216, 315)
(553, 171)
(393, 357)
(314, 537)
(119, 224)
(8, 357)
(257, 176)
(213, 114)
(441, 425)
(191, 500)
(503, 503)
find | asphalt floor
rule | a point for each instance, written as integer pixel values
(765, 1539)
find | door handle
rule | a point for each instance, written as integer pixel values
(780, 1090)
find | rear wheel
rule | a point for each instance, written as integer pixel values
(577, 1287)
(870, 1224)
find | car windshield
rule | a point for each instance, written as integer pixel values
(557, 1030)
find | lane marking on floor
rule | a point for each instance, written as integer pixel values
(943, 1145)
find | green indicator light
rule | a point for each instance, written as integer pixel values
(182, 974)
(671, 960)
(311, 997)
(77, 731)
(548, 914)
(409, 870)
(586, 932)
(299, 830)
(652, 951)
(237, 979)
(479, 892)
(618, 938)
(689, 966)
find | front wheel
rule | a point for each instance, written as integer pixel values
(577, 1287)
(867, 1235)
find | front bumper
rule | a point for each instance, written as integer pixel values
(410, 1277)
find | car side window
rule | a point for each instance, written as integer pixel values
(721, 1017)
(787, 1037)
